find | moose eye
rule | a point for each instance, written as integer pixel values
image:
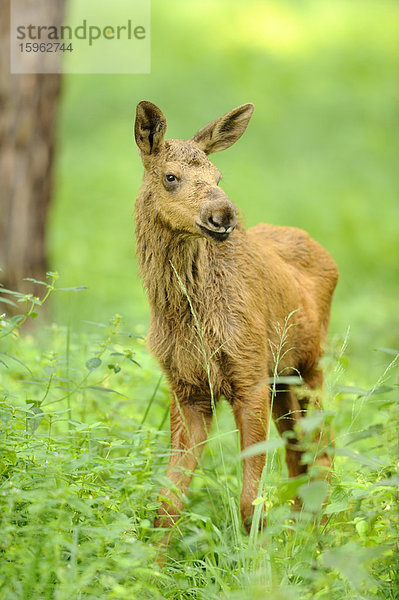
(170, 178)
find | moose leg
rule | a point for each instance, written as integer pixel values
(287, 411)
(251, 414)
(323, 438)
(189, 425)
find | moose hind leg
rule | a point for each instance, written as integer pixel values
(322, 438)
(286, 412)
(288, 409)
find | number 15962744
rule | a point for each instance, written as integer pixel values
(45, 47)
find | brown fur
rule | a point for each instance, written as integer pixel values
(218, 307)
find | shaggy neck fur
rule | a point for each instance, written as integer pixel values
(158, 248)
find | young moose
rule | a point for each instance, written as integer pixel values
(219, 298)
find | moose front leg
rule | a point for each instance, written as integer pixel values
(251, 413)
(189, 425)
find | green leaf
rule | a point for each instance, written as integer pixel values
(79, 288)
(362, 528)
(288, 380)
(16, 360)
(93, 363)
(313, 495)
(7, 301)
(389, 482)
(102, 325)
(311, 422)
(135, 362)
(390, 351)
(361, 458)
(349, 389)
(351, 562)
(35, 417)
(262, 447)
(258, 500)
(337, 507)
(289, 489)
(35, 281)
(4, 290)
(372, 431)
(30, 298)
(85, 426)
(99, 388)
(145, 523)
(131, 335)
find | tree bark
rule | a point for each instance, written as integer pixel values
(28, 108)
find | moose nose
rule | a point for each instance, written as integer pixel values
(218, 215)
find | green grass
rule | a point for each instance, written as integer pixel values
(84, 437)
(84, 445)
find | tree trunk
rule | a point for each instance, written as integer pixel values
(28, 106)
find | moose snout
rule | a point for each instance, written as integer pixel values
(217, 218)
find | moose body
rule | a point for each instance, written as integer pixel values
(221, 300)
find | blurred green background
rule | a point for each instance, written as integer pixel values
(320, 153)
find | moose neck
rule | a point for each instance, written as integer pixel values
(174, 266)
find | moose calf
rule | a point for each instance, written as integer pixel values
(219, 298)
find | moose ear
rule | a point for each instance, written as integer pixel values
(226, 130)
(150, 127)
